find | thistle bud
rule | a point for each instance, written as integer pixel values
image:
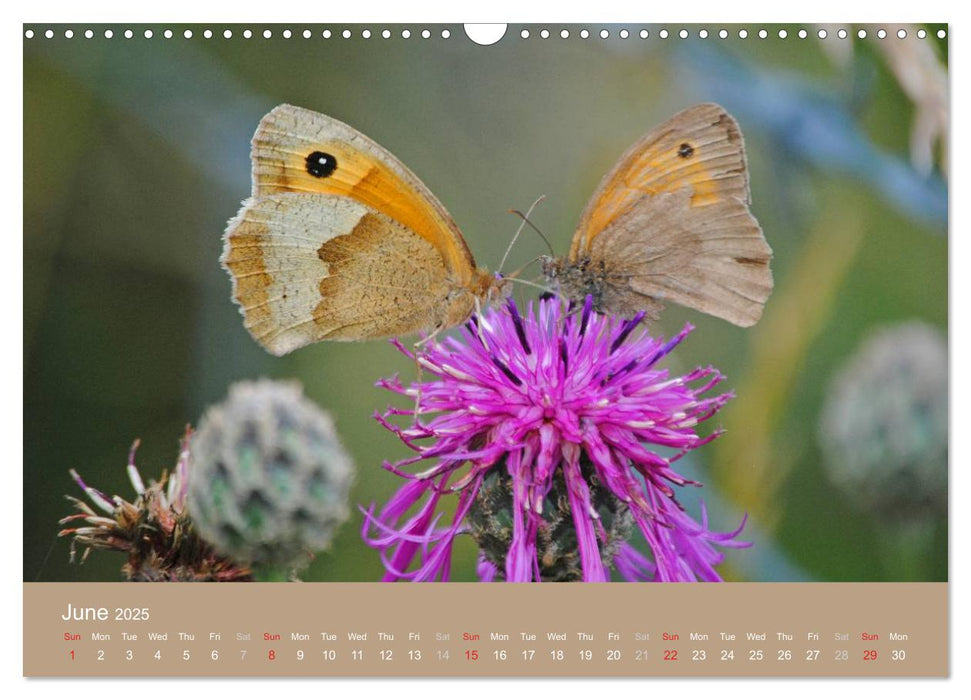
(884, 423)
(268, 479)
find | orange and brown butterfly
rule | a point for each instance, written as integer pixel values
(340, 241)
(670, 222)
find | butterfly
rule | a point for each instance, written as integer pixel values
(340, 241)
(670, 222)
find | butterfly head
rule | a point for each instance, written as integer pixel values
(575, 280)
(496, 287)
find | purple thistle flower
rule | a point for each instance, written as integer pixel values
(544, 430)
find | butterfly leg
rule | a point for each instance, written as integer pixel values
(416, 421)
(419, 371)
(478, 325)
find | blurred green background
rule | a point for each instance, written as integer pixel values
(136, 154)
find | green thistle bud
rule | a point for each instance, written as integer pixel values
(268, 479)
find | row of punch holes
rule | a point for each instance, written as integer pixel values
(484, 38)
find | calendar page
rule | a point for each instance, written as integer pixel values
(342, 339)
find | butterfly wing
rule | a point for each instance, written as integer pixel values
(712, 258)
(670, 222)
(299, 150)
(341, 241)
(310, 267)
(700, 147)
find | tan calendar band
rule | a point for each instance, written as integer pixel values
(468, 629)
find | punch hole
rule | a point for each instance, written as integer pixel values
(167, 33)
(783, 33)
(68, 34)
(129, 33)
(941, 34)
(604, 34)
(901, 33)
(386, 34)
(544, 34)
(446, 34)
(624, 33)
(267, 33)
(821, 33)
(841, 33)
(108, 34)
(524, 34)
(921, 34)
(326, 34)
(366, 33)
(742, 33)
(29, 34)
(88, 34)
(306, 33)
(763, 34)
(149, 34)
(803, 33)
(207, 34)
(405, 33)
(683, 34)
(663, 33)
(722, 33)
(346, 34)
(247, 34)
(425, 34)
(644, 34)
(287, 34)
(227, 34)
(882, 34)
(861, 33)
(564, 33)
(703, 33)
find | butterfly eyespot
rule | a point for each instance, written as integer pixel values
(320, 164)
(686, 150)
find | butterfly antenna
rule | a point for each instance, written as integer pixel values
(518, 271)
(526, 220)
(514, 276)
(530, 284)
